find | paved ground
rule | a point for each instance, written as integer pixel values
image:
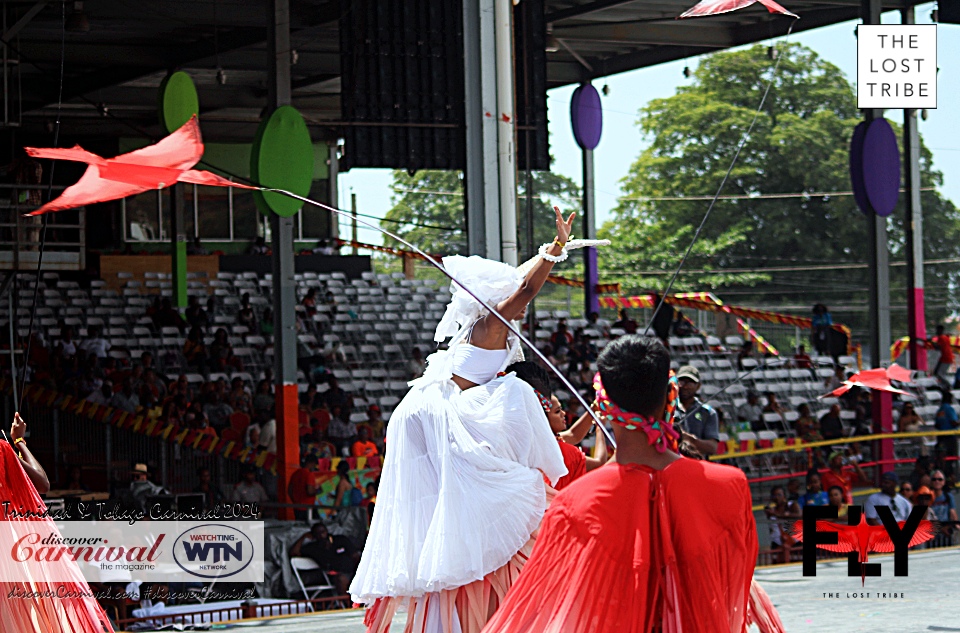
(930, 600)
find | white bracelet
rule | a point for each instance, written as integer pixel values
(550, 258)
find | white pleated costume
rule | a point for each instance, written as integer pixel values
(462, 486)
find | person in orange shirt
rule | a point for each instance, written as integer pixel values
(303, 486)
(363, 447)
(837, 477)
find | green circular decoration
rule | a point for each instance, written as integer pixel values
(178, 100)
(282, 158)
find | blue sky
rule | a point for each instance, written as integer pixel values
(622, 141)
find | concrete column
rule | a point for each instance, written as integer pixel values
(481, 178)
(913, 223)
(284, 285)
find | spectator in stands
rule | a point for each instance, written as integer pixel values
(746, 351)
(836, 476)
(258, 247)
(751, 411)
(801, 360)
(815, 495)
(417, 364)
(807, 426)
(910, 420)
(335, 396)
(629, 326)
(141, 487)
(773, 406)
(197, 317)
(246, 316)
(95, 345)
(793, 489)
(838, 499)
(166, 316)
(378, 428)
(303, 486)
(75, 480)
(941, 343)
(364, 447)
(330, 553)
(370, 500)
(887, 497)
(263, 401)
(780, 514)
(944, 506)
(239, 398)
(594, 322)
(125, 399)
(175, 410)
(310, 399)
(921, 469)
(698, 421)
(309, 302)
(66, 346)
(831, 428)
(561, 339)
(906, 491)
(341, 432)
(345, 493)
(836, 380)
(181, 386)
(252, 437)
(152, 392)
(268, 434)
(248, 489)
(195, 350)
(266, 323)
(946, 420)
(924, 498)
(221, 353)
(218, 411)
(197, 420)
(681, 326)
(212, 496)
(101, 396)
(196, 247)
(821, 329)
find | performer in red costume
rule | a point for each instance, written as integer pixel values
(574, 459)
(652, 542)
(20, 611)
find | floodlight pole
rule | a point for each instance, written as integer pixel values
(591, 275)
(913, 227)
(284, 284)
(877, 257)
(178, 248)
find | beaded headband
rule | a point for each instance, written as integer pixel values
(660, 433)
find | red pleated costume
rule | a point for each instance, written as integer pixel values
(628, 549)
(42, 615)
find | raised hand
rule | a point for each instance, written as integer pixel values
(564, 227)
(18, 428)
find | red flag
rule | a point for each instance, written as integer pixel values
(152, 167)
(713, 7)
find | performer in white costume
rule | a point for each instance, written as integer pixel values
(462, 487)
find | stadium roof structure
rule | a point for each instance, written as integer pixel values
(117, 53)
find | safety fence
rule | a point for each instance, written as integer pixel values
(218, 614)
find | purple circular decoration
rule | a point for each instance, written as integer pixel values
(586, 116)
(856, 168)
(881, 167)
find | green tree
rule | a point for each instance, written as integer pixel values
(430, 206)
(799, 144)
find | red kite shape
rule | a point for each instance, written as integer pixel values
(153, 167)
(713, 7)
(875, 379)
(865, 538)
